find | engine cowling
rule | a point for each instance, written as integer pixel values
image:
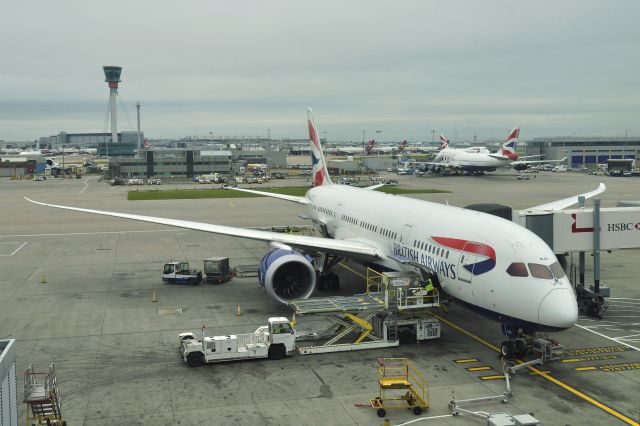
(286, 275)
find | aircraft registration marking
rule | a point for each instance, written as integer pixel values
(483, 368)
(590, 358)
(462, 361)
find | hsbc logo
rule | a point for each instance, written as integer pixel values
(624, 226)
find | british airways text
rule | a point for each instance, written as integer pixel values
(437, 265)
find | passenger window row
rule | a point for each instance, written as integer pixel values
(430, 248)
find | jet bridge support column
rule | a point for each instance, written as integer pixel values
(596, 247)
(581, 260)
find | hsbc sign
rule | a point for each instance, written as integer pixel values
(628, 226)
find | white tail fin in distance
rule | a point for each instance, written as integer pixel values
(444, 142)
(509, 147)
(319, 166)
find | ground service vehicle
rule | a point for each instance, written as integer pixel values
(216, 270)
(180, 273)
(275, 340)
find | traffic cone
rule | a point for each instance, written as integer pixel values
(239, 311)
(153, 296)
(43, 280)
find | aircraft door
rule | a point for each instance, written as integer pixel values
(404, 234)
(468, 258)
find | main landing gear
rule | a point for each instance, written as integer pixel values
(518, 344)
(326, 279)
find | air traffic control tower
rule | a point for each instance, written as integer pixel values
(112, 76)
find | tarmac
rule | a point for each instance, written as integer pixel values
(77, 290)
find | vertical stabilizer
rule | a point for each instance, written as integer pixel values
(319, 166)
(509, 147)
(444, 142)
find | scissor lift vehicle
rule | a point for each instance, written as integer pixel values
(401, 385)
(42, 395)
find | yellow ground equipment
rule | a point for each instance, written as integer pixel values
(42, 395)
(401, 385)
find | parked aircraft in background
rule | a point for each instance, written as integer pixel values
(476, 258)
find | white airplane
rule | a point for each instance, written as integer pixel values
(478, 159)
(492, 265)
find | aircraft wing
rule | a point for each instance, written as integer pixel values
(293, 198)
(569, 201)
(329, 245)
(538, 161)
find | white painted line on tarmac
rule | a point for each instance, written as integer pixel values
(88, 233)
(607, 337)
(16, 250)
(86, 185)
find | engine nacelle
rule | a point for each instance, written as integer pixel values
(286, 275)
(519, 167)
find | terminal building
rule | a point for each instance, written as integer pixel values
(127, 143)
(585, 151)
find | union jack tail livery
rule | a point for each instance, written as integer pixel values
(318, 163)
(403, 145)
(444, 142)
(509, 147)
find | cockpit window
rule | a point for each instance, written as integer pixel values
(517, 269)
(540, 271)
(557, 270)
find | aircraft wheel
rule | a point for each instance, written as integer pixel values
(334, 282)
(277, 351)
(507, 349)
(381, 412)
(520, 349)
(417, 410)
(195, 359)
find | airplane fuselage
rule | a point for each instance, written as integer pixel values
(470, 160)
(470, 252)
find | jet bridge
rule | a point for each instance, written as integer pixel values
(586, 230)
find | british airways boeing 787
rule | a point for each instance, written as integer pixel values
(490, 264)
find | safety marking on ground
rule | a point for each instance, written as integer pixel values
(463, 361)
(590, 358)
(483, 368)
(539, 373)
(546, 376)
(596, 350)
(10, 248)
(494, 377)
(610, 368)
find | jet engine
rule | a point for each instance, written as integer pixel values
(286, 275)
(520, 167)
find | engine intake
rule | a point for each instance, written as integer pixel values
(286, 275)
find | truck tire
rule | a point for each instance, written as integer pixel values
(381, 412)
(191, 281)
(195, 359)
(417, 410)
(277, 351)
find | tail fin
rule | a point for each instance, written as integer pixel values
(369, 146)
(509, 147)
(403, 145)
(444, 142)
(318, 163)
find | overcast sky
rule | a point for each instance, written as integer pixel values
(237, 68)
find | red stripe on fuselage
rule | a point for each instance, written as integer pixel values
(466, 246)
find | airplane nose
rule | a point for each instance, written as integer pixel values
(558, 308)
